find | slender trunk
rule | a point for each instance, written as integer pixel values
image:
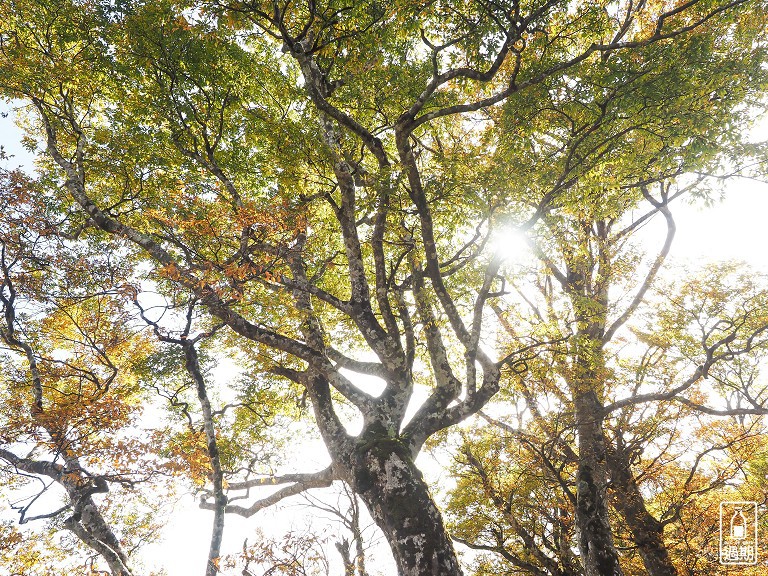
(647, 532)
(192, 364)
(589, 292)
(598, 552)
(393, 489)
(358, 538)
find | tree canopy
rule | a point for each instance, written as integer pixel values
(315, 193)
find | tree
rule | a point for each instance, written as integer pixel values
(582, 246)
(514, 502)
(666, 456)
(327, 205)
(69, 397)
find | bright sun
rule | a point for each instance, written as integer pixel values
(510, 244)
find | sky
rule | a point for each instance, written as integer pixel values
(734, 229)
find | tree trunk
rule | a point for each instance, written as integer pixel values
(393, 489)
(89, 525)
(647, 532)
(598, 552)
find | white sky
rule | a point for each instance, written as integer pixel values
(733, 229)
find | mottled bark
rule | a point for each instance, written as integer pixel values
(647, 531)
(598, 552)
(86, 521)
(586, 281)
(89, 526)
(398, 499)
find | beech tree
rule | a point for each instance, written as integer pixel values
(670, 458)
(70, 396)
(315, 185)
(590, 282)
